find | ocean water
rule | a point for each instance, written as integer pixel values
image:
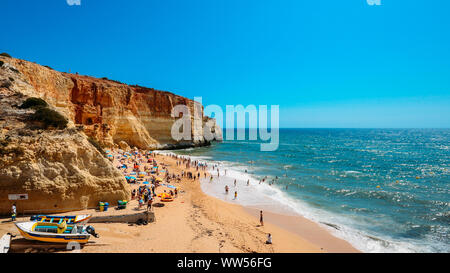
(383, 190)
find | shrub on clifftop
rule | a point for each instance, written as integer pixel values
(5, 55)
(33, 103)
(49, 118)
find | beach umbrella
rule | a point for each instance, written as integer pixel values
(164, 195)
(146, 182)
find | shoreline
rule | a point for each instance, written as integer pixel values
(308, 230)
(296, 225)
(299, 225)
(196, 222)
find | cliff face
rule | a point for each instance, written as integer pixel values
(61, 170)
(58, 169)
(113, 112)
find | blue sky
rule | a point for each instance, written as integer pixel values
(326, 63)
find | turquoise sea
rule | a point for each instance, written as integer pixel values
(383, 190)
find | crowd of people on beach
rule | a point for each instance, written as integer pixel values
(145, 166)
(138, 166)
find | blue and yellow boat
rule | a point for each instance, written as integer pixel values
(56, 233)
(76, 219)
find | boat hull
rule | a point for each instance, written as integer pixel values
(52, 237)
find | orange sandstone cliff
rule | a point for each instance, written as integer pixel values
(112, 112)
(60, 169)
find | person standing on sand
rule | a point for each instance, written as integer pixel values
(13, 212)
(146, 196)
(226, 189)
(149, 204)
(248, 182)
(235, 195)
(261, 220)
(269, 239)
(235, 182)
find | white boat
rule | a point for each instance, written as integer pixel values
(55, 233)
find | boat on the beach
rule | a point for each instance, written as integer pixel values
(56, 233)
(72, 219)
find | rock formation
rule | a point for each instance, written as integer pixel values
(111, 111)
(60, 169)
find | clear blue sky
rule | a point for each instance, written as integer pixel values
(326, 63)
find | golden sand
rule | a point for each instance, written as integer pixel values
(196, 222)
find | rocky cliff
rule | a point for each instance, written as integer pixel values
(112, 112)
(60, 169)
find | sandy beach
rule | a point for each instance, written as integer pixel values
(198, 223)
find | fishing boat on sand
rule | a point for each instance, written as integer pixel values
(76, 219)
(56, 233)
